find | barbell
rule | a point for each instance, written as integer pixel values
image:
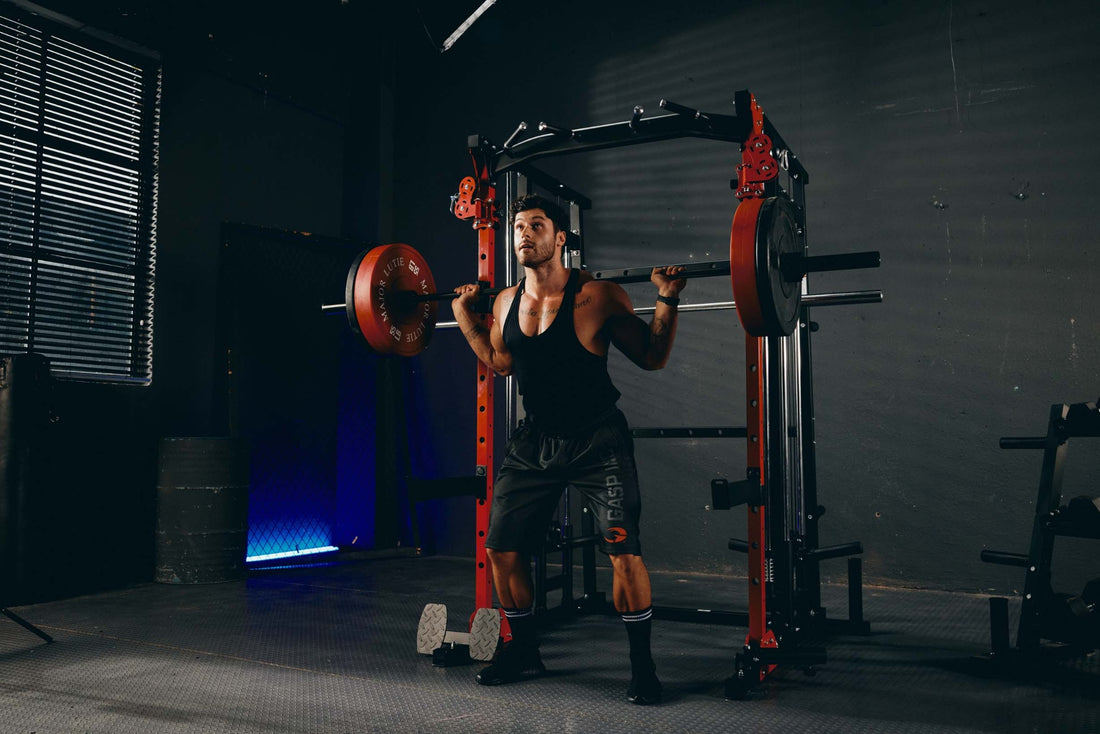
(390, 296)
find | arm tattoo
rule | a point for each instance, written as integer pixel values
(475, 331)
(659, 327)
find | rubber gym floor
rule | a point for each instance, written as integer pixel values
(333, 649)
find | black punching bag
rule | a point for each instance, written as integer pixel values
(24, 482)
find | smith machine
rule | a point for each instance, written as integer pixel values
(390, 299)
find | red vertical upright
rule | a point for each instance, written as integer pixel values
(476, 200)
(757, 167)
(759, 634)
(485, 223)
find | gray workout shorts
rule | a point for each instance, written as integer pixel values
(597, 460)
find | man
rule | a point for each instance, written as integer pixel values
(553, 330)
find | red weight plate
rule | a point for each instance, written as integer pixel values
(743, 266)
(764, 233)
(382, 296)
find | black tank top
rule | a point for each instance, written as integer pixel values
(564, 386)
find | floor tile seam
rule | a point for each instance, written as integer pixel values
(535, 708)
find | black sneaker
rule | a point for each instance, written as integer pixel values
(645, 689)
(510, 663)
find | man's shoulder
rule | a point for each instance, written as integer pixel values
(504, 298)
(608, 295)
(587, 281)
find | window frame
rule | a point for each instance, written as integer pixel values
(83, 353)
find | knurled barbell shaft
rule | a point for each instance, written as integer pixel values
(628, 275)
(793, 267)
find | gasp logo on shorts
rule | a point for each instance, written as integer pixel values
(616, 535)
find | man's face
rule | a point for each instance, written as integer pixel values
(535, 240)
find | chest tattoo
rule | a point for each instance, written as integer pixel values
(540, 313)
(536, 313)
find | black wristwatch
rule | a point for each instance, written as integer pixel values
(669, 300)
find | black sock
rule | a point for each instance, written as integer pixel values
(638, 628)
(522, 624)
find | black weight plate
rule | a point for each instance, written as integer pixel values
(777, 237)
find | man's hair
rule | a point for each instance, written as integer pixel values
(554, 212)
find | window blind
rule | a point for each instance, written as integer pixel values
(78, 187)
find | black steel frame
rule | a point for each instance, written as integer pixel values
(794, 591)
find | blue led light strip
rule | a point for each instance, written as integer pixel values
(291, 554)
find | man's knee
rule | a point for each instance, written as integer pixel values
(627, 564)
(502, 560)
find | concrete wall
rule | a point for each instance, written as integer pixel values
(953, 137)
